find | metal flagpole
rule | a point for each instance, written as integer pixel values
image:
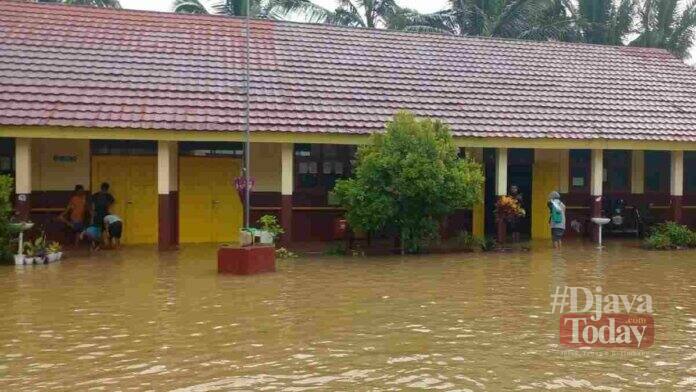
(247, 144)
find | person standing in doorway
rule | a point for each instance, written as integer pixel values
(515, 220)
(557, 218)
(101, 204)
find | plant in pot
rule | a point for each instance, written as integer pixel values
(270, 229)
(35, 251)
(54, 252)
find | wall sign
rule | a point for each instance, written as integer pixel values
(65, 158)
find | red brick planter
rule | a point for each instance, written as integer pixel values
(247, 260)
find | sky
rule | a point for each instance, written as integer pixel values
(424, 6)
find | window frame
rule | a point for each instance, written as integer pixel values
(584, 165)
(607, 187)
(663, 186)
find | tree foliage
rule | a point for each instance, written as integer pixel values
(666, 24)
(93, 3)
(6, 191)
(407, 179)
(526, 19)
(365, 13)
(273, 9)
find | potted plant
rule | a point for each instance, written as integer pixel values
(53, 252)
(35, 251)
(508, 208)
(270, 229)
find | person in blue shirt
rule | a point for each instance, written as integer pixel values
(92, 234)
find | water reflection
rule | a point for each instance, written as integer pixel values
(140, 320)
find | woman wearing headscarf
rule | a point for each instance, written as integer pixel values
(557, 218)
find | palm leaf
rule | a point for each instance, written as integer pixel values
(311, 11)
(189, 7)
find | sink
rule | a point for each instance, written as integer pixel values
(21, 226)
(601, 221)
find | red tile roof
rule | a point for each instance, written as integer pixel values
(90, 67)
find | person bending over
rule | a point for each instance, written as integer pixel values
(114, 229)
(93, 235)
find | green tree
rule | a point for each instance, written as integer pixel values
(93, 3)
(5, 215)
(365, 13)
(527, 19)
(602, 21)
(407, 179)
(666, 24)
(274, 9)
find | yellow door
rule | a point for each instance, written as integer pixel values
(133, 183)
(545, 179)
(209, 206)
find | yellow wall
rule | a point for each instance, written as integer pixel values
(265, 166)
(50, 173)
(546, 178)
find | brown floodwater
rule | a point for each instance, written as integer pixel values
(139, 320)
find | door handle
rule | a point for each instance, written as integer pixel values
(216, 201)
(129, 202)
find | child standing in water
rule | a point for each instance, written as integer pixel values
(557, 218)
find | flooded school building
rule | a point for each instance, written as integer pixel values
(154, 103)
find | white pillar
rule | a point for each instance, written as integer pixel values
(167, 178)
(501, 169)
(597, 173)
(638, 171)
(23, 178)
(287, 184)
(173, 166)
(676, 185)
(596, 185)
(286, 163)
(676, 182)
(164, 162)
(564, 171)
(23, 166)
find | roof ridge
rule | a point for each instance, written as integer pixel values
(424, 36)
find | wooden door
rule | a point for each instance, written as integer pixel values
(133, 183)
(545, 181)
(209, 205)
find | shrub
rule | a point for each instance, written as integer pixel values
(488, 244)
(658, 241)
(679, 235)
(283, 253)
(407, 179)
(5, 214)
(670, 235)
(466, 241)
(336, 250)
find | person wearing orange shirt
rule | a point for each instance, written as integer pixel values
(75, 212)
